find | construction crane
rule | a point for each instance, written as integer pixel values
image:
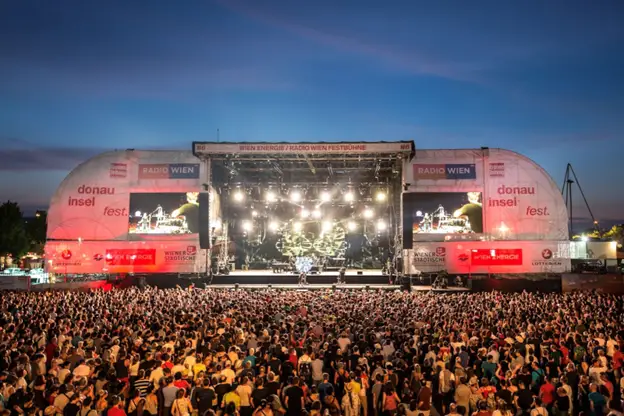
(566, 190)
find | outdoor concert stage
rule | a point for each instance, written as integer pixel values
(348, 286)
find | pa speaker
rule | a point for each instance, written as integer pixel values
(204, 220)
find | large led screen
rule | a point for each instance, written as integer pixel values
(164, 213)
(438, 214)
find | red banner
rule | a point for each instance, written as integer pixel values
(128, 257)
(497, 257)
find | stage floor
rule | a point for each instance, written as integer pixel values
(349, 272)
(349, 286)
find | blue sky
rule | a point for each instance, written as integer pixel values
(540, 77)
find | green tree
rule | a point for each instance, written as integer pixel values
(36, 230)
(13, 236)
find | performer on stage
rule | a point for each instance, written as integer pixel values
(190, 211)
(303, 279)
(473, 212)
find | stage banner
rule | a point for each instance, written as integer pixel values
(488, 257)
(206, 149)
(124, 257)
(425, 258)
(480, 194)
(107, 196)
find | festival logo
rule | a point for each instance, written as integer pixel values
(497, 170)
(66, 254)
(98, 257)
(463, 257)
(118, 170)
(547, 254)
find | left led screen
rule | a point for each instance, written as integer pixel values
(164, 213)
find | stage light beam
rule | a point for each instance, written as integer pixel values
(270, 196)
(238, 196)
(351, 225)
(297, 226)
(368, 213)
(381, 225)
(254, 213)
(349, 196)
(316, 214)
(295, 196)
(247, 226)
(327, 226)
(380, 196)
(273, 226)
(325, 196)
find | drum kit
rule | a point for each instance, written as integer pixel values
(441, 222)
(164, 224)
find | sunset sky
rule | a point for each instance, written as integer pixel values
(543, 78)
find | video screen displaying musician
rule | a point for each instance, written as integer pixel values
(443, 212)
(164, 213)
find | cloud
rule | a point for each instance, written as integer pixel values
(45, 159)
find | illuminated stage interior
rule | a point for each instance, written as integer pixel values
(314, 213)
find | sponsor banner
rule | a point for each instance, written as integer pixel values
(124, 257)
(207, 149)
(425, 257)
(496, 257)
(118, 170)
(497, 170)
(169, 171)
(489, 257)
(445, 171)
(130, 257)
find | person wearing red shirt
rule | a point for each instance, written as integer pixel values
(117, 407)
(618, 358)
(547, 393)
(180, 382)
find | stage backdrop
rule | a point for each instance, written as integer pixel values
(484, 194)
(106, 197)
(127, 211)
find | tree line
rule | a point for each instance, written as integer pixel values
(19, 235)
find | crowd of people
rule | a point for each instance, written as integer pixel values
(201, 352)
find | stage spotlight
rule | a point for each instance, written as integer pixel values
(295, 196)
(297, 226)
(325, 196)
(326, 226)
(380, 196)
(419, 213)
(216, 224)
(238, 196)
(273, 226)
(137, 214)
(247, 226)
(351, 225)
(381, 225)
(254, 213)
(305, 213)
(270, 196)
(349, 196)
(316, 214)
(368, 213)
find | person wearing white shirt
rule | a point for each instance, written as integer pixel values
(156, 375)
(82, 370)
